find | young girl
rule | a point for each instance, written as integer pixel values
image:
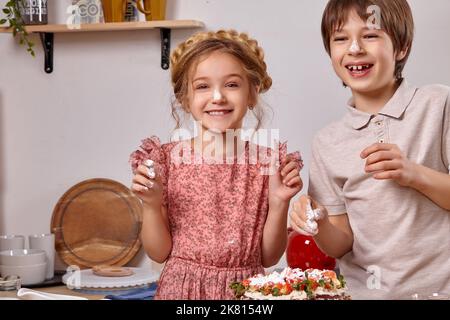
(213, 222)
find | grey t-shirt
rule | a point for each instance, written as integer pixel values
(401, 238)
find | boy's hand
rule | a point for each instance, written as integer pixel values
(386, 161)
(285, 183)
(306, 215)
(147, 186)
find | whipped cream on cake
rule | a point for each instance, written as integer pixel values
(292, 284)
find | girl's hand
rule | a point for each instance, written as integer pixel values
(386, 161)
(307, 223)
(285, 183)
(147, 186)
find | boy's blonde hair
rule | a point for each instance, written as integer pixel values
(396, 20)
(187, 56)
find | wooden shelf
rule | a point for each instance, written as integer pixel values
(116, 26)
(46, 33)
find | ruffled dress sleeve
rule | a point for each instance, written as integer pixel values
(294, 156)
(277, 157)
(151, 149)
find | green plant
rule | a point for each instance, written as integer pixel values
(14, 17)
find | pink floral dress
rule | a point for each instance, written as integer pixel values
(216, 214)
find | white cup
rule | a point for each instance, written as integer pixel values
(45, 242)
(11, 242)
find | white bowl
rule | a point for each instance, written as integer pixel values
(22, 257)
(31, 274)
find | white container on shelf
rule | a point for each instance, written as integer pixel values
(88, 11)
(74, 11)
(57, 11)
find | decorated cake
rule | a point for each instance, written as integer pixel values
(292, 284)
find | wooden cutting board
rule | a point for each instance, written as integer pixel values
(97, 222)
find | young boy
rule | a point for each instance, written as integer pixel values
(380, 175)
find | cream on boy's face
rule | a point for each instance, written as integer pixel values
(363, 58)
(219, 92)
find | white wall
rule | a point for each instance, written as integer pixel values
(107, 92)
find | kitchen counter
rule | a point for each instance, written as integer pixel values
(57, 290)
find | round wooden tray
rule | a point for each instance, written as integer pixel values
(97, 222)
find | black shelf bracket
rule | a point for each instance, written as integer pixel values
(47, 40)
(165, 48)
(47, 43)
